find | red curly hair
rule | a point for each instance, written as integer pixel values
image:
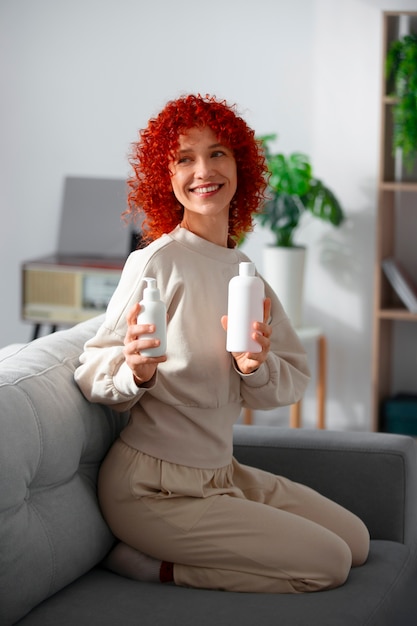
(150, 190)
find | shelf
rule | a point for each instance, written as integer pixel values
(398, 186)
(399, 314)
(390, 100)
(395, 329)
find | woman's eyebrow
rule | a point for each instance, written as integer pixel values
(211, 147)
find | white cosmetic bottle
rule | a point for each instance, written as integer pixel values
(245, 306)
(153, 311)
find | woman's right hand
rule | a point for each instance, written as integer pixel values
(143, 367)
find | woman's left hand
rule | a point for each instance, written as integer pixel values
(248, 362)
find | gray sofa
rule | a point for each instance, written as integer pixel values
(52, 536)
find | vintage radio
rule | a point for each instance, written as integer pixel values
(67, 289)
(77, 282)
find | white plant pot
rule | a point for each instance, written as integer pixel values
(283, 269)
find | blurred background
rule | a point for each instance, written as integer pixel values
(79, 78)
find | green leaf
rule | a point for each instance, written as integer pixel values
(323, 204)
(282, 215)
(290, 174)
(401, 68)
(293, 190)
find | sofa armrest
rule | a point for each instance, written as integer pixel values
(372, 474)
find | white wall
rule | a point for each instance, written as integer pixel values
(79, 78)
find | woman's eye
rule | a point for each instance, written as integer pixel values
(218, 153)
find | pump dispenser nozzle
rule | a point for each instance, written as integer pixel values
(151, 292)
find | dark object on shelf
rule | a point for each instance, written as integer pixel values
(399, 414)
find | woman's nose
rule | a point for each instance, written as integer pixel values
(204, 168)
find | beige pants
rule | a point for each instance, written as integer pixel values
(235, 528)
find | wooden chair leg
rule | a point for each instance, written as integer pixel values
(247, 416)
(321, 381)
(295, 415)
(321, 388)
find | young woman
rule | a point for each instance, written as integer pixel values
(180, 505)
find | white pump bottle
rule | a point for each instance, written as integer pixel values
(153, 311)
(245, 306)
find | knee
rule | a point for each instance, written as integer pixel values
(338, 564)
(360, 545)
(342, 556)
(331, 568)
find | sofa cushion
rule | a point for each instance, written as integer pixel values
(106, 599)
(51, 444)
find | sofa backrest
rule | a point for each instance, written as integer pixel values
(52, 441)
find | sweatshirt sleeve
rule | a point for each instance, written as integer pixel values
(103, 375)
(282, 379)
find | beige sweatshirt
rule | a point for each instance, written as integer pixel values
(186, 413)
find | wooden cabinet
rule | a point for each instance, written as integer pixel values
(62, 290)
(395, 327)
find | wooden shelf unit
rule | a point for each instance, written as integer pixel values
(395, 182)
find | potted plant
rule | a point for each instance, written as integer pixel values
(293, 190)
(401, 69)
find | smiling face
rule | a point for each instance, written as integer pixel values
(204, 177)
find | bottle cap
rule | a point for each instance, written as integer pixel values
(246, 269)
(151, 292)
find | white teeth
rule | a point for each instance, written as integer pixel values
(208, 189)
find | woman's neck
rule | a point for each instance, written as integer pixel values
(213, 230)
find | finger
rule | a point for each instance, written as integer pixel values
(138, 343)
(263, 329)
(142, 361)
(132, 315)
(263, 341)
(267, 309)
(224, 322)
(133, 349)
